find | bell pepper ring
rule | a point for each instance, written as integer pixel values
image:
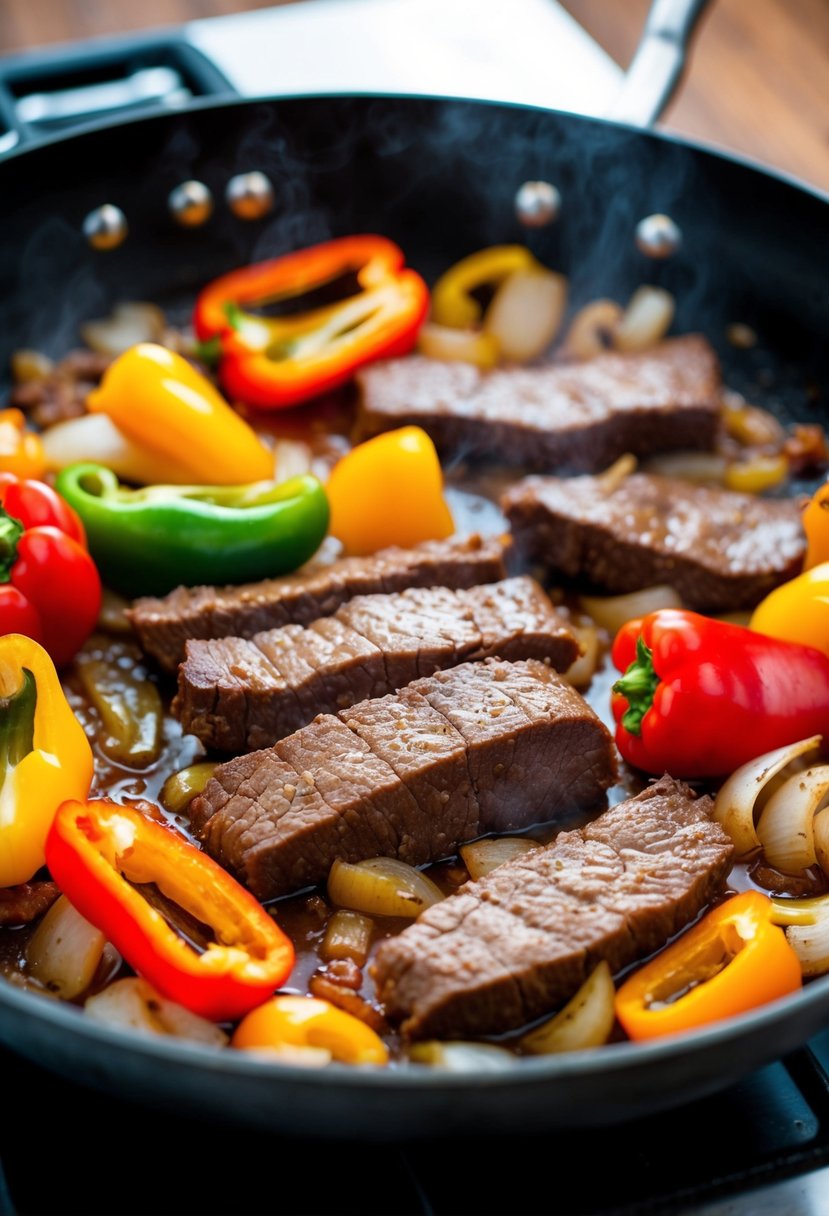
(699, 697)
(733, 960)
(151, 540)
(45, 756)
(274, 362)
(453, 303)
(101, 855)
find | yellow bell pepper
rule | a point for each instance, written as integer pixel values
(45, 756)
(452, 301)
(797, 611)
(156, 398)
(303, 1022)
(389, 491)
(21, 451)
(816, 524)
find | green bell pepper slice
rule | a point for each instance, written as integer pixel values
(148, 541)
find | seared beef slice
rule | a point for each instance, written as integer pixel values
(164, 625)
(520, 942)
(238, 695)
(484, 747)
(575, 416)
(721, 551)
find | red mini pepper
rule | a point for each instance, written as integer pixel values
(700, 697)
(101, 855)
(272, 362)
(49, 586)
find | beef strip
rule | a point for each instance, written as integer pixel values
(519, 943)
(164, 625)
(23, 904)
(575, 416)
(237, 694)
(722, 551)
(484, 747)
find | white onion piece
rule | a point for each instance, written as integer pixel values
(580, 673)
(348, 935)
(647, 319)
(807, 931)
(585, 1021)
(820, 827)
(130, 322)
(736, 803)
(382, 886)
(134, 1004)
(293, 459)
(95, 437)
(611, 612)
(65, 951)
(481, 857)
(703, 468)
(458, 345)
(526, 313)
(785, 829)
(456, 1056)
(593, 329)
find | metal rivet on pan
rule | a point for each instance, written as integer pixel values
(657, 236)
(106, 227)
(250, 195)
(537, 204)
(191, 204)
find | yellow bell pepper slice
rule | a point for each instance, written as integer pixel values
(302, 1021)
(156, 398)
(45, 756)
(452, 301)
(389, 491)
(797, 611)
(21, 451)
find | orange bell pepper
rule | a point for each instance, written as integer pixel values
(816, 525)
(733, 960)
(21, 451)
(303, 1022)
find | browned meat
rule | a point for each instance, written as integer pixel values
(237, 695)
(63, 392)
(519, 943)
(721, 551)
(577, 416)
(484, 747)
(164, 625)
(23, 904)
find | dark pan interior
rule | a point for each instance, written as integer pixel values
(438, 177)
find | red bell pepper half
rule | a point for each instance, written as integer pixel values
(275, 361)
(700, 697)
(213, 948)
(49, 586)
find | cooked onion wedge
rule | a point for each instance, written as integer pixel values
(382, 886)
(526, 313)
(65, 951)
(135, 1005)
(806, 922)
(348, 935)
(458, 345)
(736, 806)
(593, 329)
(585, 1021)
(702, 468)
(646, 320)
(481, 857)
(131, 322)
(611, 612)
(785, 829)
(580, 673)
(456, 1056)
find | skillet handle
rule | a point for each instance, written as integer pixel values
(659, 62)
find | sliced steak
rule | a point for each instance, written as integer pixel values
(575, 416)
(164, 625)
(237, 694)
(721, 551)
(519, 943)
(484, 747)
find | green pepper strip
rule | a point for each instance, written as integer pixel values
(150, 540)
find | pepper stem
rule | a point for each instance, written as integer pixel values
(637, 686)
(17, 724)
(11, 530)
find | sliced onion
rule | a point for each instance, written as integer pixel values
(95, 437)
(458, 345)
(129, 323)
(348, 935)
(382, 886)
(180, 789)
(456, 1056)
(758, 474)
(748, 424)
(611, 612)
(580, 673)
(735, 807)
(293, 459)
(617, 473)
(807, 931)
(526, 313)
(65, 951)
(135, 1005)
(481, 857)
(593, 329)
(113, 614)
(28, 365)
(785, 829)
(703, 468)
(647, 319)
(585, 1021)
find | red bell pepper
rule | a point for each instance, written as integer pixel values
(700, 697)
(271, 362)
(49, 586)
(101, 855)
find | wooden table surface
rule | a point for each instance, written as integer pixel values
(758, 84)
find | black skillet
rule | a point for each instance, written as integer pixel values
(440, 178)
